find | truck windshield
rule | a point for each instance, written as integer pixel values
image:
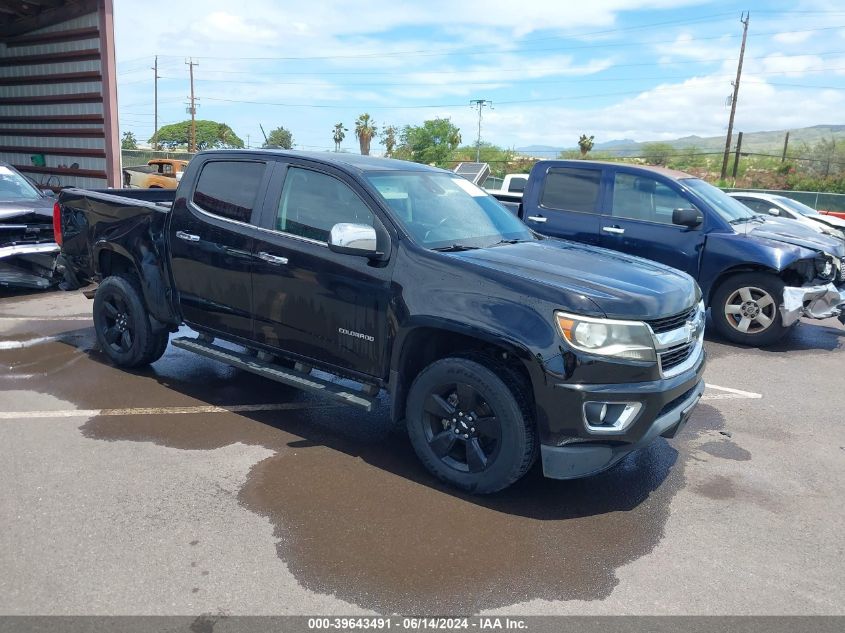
(443, 211)
(13, 186)
(729, 208)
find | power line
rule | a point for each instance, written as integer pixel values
(486, 82)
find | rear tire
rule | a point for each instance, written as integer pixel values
(746, 309)
(122, 324)
(471, 426)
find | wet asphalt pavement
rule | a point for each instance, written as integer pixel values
(173, 491)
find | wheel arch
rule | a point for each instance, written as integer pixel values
(424, 344)
(736, 270)
(112, 259)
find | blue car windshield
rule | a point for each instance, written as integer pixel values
(731, 209)
(443, 211)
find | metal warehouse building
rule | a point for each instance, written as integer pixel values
(58, 95)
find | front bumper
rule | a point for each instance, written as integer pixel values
(813, 301)
(571, 447)
(28, 265)
(576, 460)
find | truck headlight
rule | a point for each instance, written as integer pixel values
(824, 267)
(629, 340)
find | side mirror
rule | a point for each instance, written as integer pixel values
(773, 211)
(354, 239)
(689, 218)
(48, 193)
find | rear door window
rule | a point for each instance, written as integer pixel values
(572, 189)
(229, 189)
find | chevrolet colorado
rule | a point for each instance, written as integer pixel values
(496, 345)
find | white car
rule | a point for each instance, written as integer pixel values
(781, 206)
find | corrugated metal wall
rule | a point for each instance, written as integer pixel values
(53, 103)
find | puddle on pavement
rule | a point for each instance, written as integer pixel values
(356, 515)
(725, 449)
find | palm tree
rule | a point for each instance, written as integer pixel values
(365, 131)
(339, 133)
(585, 144)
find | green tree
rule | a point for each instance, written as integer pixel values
(431, 143)
(658, 153)
(210, 134)
(279, 138)
(128, 141)
(585, 144)
(338, 134)
(501, 161)
(365, 130)
(388, 139)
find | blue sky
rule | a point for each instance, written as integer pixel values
(653, 69)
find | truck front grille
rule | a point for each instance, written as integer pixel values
(667, 324)
(676, 355)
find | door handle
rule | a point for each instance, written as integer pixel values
(613, 229)
(273, 259)
(537, 218)
(188, 237)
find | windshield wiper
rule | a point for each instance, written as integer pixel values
(454, 248)
(740, 220)
(500, 242)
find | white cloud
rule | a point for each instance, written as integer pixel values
(365, 43)
(686, 46)
(795, 65)
(792, 37)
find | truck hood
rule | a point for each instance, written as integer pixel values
(794, 232)
(620, 285)
(829, 220)
(14, 208)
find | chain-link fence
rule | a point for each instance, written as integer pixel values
(133, 157)
(816, 199)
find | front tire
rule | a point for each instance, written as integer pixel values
(471, 426)
(746, 309)
(122, 324)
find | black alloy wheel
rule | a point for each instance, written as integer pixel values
(461, 428)
(118, 331)
(470, 420)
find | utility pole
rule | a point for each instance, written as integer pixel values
(744, 19)
(738, 150)
(785, 145)
(155, 107)
(192, 146)
(480, 104)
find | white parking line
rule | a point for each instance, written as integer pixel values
(730, 393)
(27, 343)
(90, 413)
(43, 318)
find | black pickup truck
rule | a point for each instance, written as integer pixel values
(495, 344)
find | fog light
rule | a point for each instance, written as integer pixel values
(610, 417)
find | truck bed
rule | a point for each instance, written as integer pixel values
(102, 229)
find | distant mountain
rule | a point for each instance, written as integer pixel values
(539, 150)
(770, 141)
